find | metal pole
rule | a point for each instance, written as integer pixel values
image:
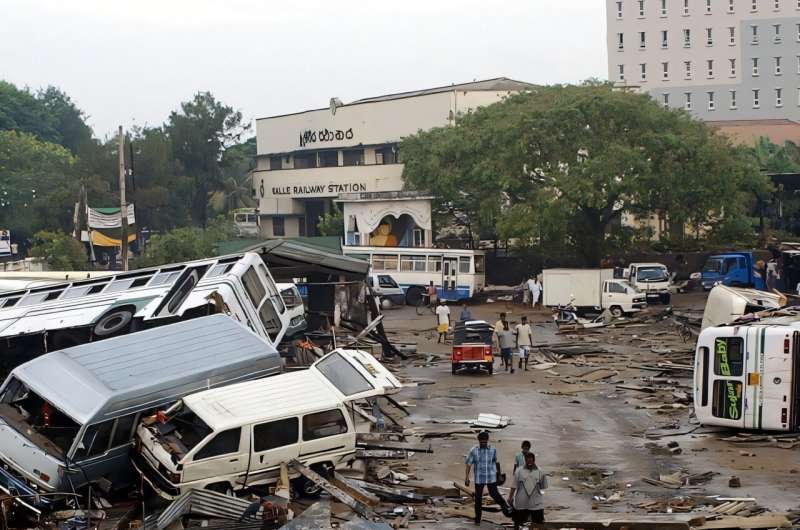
(123, 207)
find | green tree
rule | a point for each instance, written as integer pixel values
(186, 243)
(61, 251)
(37, 188)
(332, 223)
(200, 132)
(559, 165)
(68, 120)
(22, 111)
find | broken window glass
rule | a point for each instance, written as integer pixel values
(29, 413)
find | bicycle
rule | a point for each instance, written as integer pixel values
(423, 304)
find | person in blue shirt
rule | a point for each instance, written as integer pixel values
(483, 458)
(466, 314)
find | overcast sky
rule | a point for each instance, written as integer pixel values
(126, 62)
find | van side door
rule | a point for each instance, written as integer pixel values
(326, 432)
(222, 457)
(273, 442)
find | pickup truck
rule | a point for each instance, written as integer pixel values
(591, 290)
(733, 269)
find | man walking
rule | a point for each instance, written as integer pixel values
(519, 460)
(483, 458)
(536, 290)
(524, 335)
(433, 295)
(505, 341)
(443, 318)
(529, 482)
(466, 314)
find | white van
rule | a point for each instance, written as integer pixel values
(386, 288)
(230, 439)
(295, 307)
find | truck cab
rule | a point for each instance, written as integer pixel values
(386, 288)
(652, 279)
(620, 297)
(733, 269)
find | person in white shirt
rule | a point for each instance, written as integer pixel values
(443, 318)
(536, 290)
(524, 335)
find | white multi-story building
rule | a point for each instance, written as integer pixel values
(732, 62)
(348, 154)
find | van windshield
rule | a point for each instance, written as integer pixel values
(181, 433)
(37, 418)
(343, 375)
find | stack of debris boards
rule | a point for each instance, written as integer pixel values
(779, 440)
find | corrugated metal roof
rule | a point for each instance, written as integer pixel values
(80, 379)
(263, 399)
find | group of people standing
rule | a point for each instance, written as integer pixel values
(519, 341)
(525, 500)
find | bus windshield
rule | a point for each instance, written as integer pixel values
(37, 418)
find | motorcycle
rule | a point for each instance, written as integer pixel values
(566, 315)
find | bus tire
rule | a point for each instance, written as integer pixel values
(113, 322)
(413, 296)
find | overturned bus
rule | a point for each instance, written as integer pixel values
(747, 376)
(67, 418)
(61, 315)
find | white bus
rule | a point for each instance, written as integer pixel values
(457, 274)
(748, 376)
(60, 315)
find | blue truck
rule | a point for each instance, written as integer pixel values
(734, 269)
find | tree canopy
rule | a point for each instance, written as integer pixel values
(559, 166)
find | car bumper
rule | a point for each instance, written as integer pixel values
(26, 495)
(639, 306)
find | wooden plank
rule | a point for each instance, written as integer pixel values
(394, 446)
(354, 491)
(360, 508)
(767, 520)
(620, 521)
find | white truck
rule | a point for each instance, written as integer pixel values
(591, 290)
(652, 279)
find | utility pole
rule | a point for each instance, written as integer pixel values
(123, 207)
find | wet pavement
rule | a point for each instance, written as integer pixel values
(591, 440)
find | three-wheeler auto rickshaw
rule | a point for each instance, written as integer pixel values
(472, 346)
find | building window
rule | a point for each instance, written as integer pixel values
(688, 100)
(686, 7)
(730, 6)
(621, 70)
(619, 9)
(642, 40)
(798, 64)
(754, 29)
(664, 41)
(665, 68)
(755, 66)
(733, 67)
(386, 155)
(777, 30)
(709, 38)
(663, 8)
(665, 100)
(278, 228)
(777, 66)
(779, 97)
(754, 5)
(353, 157)
(777, 5)
(708, 7)
(418, 238)
(798, 32)
(305, 160)
(643, 68)
(710, 67)
(620, 41)
(732, 34)
(687, 38)
(733, 99)
(328, 158)
(711, 103)
(641, 8)
(756, 102)
(275, 162)
(687, 65)
(798, 96)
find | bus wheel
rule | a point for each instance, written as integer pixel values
(413, 296)
(113, 322)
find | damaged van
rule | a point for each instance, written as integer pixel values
(232, 438)
(67, 418)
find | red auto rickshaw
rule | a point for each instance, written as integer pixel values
(472, 346)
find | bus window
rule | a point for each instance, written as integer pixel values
(412, 263)
(729, 356)
(727, 399)
(252, 284)
(434, 264)
(704, 389)
(463, 264)
(480, 264)
(384, 262)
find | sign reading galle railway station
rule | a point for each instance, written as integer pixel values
(318, 189)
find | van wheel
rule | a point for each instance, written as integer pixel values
(306, 488)
(221, 487)
(616, 311)
(113, 322)
(413, 296)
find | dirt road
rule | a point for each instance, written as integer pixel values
(591, 438)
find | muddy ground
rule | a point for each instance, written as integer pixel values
(591, 437)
